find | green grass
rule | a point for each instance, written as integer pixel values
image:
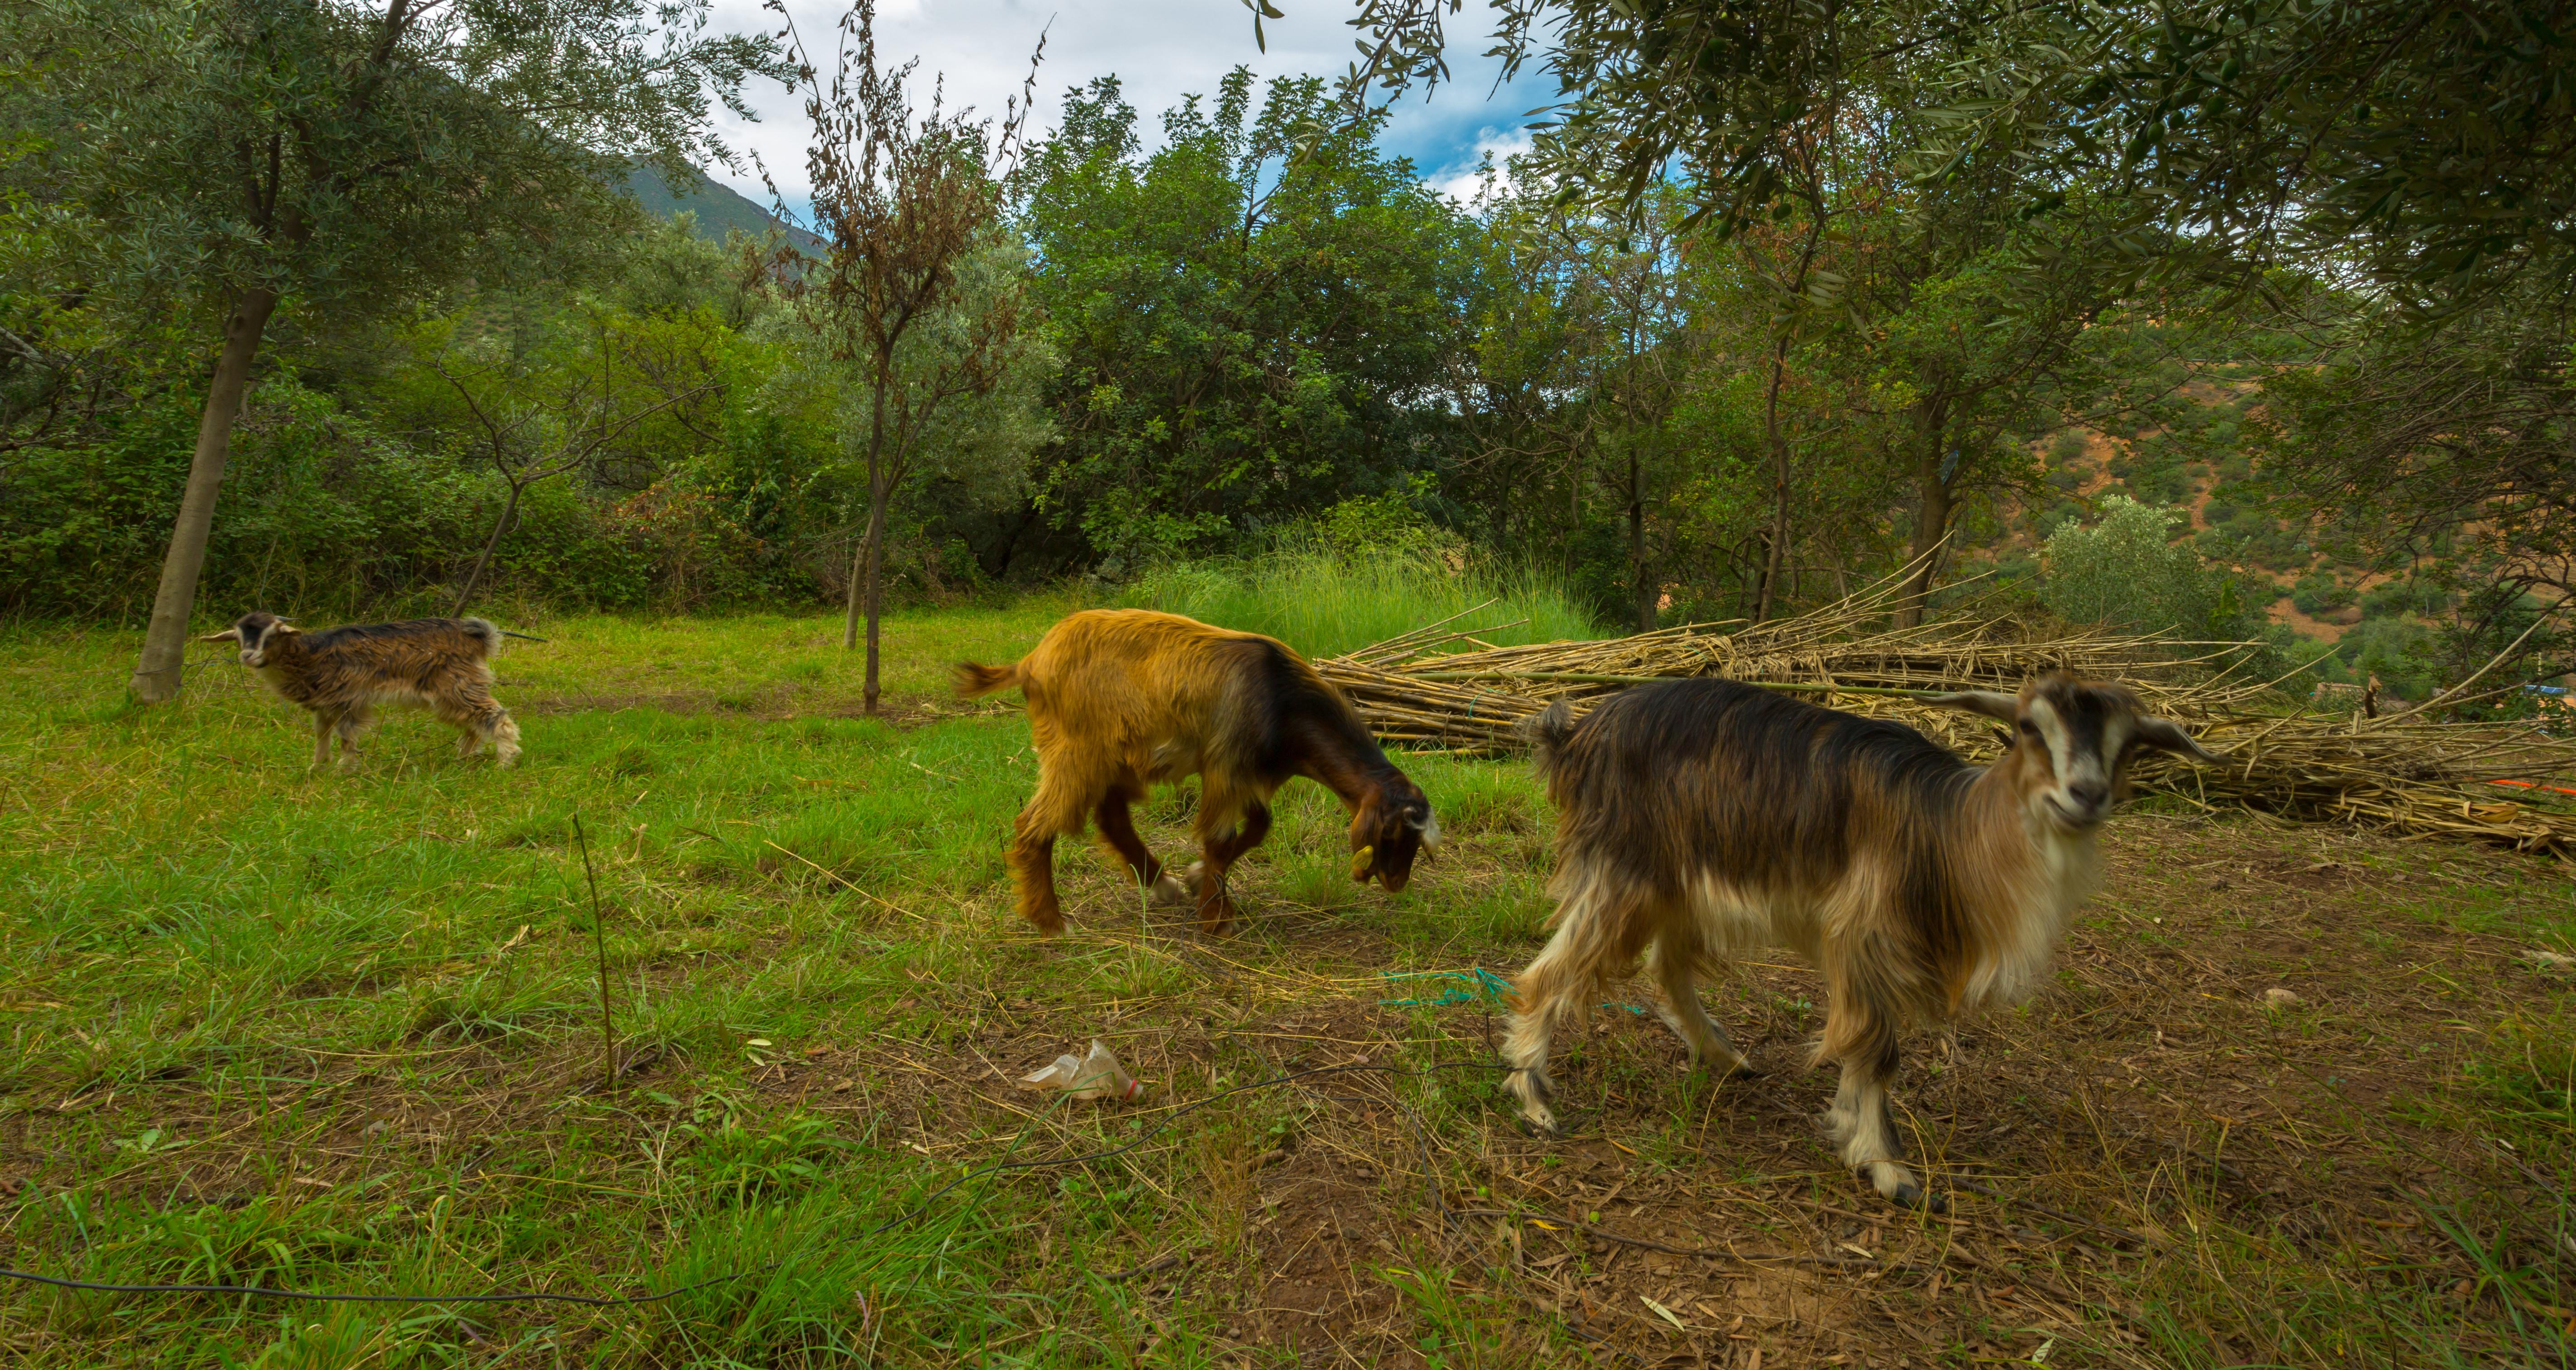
(1326, 606)
(340, 1031)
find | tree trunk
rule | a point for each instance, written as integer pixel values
(1931, 523)
(165, 642)
(867, 565)
(862, 567)
(873, 549)
(1780, 482)
(1643, 588)
(474, 578)
(858, 569)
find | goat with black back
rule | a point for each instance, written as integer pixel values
(1123, 699)
(1705, 818)
(342, 674)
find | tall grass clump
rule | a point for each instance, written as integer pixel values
(1325, 604)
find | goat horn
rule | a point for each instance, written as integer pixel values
(227, 635)
(1987, 702)
(2167, 734)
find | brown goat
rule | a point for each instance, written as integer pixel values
(1705, 818)
(1121, 699)
(342, 674)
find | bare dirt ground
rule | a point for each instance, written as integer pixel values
(2087, 1143)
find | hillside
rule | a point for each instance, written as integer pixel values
(2186, 458)
(719, 208)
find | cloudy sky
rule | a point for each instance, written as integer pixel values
(1161, 49)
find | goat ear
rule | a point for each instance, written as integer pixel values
(1986, 702)
(1427, 827)
(2167, 735)
(227, 635)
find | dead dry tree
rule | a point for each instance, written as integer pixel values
(342, 675)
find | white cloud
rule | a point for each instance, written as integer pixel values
(1463, 180)
(1160, 49)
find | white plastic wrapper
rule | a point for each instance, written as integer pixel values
(1096, 1076)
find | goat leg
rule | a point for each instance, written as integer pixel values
(1221, 847)
(1676, 974)
(1539, 997)
(1862, 1130)
(1033, 878)
(347, 726)
(1118, 832)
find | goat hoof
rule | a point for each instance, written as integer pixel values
(1169, 893)
(1739, 1068)
(1908, 1195)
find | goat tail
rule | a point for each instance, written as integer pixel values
(487, 638)
(1546, 733)
(975, 680)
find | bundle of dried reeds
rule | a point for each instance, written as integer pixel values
(2412, 774)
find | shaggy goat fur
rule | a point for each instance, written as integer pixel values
(342, 674)
(1121, 699)
(1705, 818)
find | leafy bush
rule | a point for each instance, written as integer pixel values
(2317, 595)
(1387, 525)
(2398, 598)
(2126, 572)
(2397, 650)
(2059, 515)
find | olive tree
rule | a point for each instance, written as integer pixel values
(226, 159)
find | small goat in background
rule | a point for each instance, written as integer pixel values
(1120, 699)
(1704, 818)
(342, 674)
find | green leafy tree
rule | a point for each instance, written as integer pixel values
(1590, 349)
(2127, 572)
(2431, 141)
(1248, 336)
(222, 159)
(545, 411)
(964, 457)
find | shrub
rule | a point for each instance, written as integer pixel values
(2398, 598)
(2317, 595)
(2396, 650)
(2126, 572)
